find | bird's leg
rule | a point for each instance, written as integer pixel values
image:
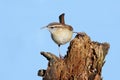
(61, 57)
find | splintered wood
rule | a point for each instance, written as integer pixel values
(84, 61)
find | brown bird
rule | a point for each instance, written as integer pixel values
(60, 33)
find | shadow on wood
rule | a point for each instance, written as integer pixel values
(84, 61)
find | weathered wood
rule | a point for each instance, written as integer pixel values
(84, 61)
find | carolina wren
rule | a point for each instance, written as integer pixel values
(61, 33)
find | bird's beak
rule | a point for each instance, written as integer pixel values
(43, 27)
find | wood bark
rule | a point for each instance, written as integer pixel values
(84, 61)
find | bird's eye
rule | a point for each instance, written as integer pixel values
(51, 27)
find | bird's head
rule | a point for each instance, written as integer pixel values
(55, 26)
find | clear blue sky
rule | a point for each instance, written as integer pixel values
(21, 39)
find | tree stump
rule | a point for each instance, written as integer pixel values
(84, 61)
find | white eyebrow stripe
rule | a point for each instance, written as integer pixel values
(55, 26)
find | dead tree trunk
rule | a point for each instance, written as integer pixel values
(84, 61)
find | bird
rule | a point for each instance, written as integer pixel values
(61, 33)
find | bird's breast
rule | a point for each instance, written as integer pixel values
(62, 36)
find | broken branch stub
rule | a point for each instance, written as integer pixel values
(84, 61)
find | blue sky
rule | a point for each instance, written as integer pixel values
(21, 39)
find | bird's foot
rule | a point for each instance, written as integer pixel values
(61, 57)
